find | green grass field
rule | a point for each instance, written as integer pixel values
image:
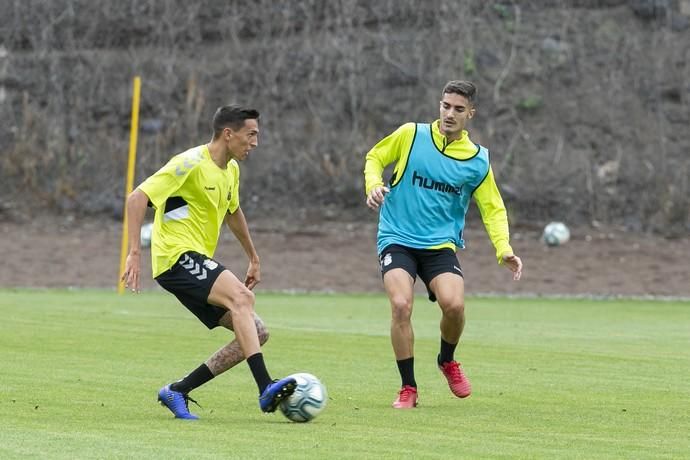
(552, 378)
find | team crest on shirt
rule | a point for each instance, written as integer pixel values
(210, 264)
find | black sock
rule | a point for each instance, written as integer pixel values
(447, 352)
(406, 369)
(195, 379)
(258, 368)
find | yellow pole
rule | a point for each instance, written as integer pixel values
(131, 163)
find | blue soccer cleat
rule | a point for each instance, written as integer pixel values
(276, 392)
(177, 402)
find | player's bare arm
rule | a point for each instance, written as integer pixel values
(376, 196)
(136, 211)
(514, 263)
(237, 223)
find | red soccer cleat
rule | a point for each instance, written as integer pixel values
(407, 398)
(457, 381)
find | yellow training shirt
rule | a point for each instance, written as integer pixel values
(395, 148)
(191, 196)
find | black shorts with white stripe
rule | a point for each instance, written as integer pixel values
(190, 280)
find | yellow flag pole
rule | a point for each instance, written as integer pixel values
(131, 163)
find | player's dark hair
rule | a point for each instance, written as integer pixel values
(232, 116)
(461, 87)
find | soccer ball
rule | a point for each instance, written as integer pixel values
(555, 234)
(308, 400)
(145, 234)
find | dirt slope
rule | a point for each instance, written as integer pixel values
(336, 256)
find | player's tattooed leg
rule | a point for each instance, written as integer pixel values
(231, 354)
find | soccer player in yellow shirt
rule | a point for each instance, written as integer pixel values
(193, 194)
(438, 169)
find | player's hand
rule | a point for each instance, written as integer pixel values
(131, 276)
(253, 275)
(376, 196)
(514, 263)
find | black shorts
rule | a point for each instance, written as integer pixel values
(191, 280)
(425, 263)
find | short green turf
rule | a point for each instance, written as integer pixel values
(552, 378)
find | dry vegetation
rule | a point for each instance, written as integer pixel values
(585, 105)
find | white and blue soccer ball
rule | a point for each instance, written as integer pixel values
(556, 234)
(145, 235)
(308, 400)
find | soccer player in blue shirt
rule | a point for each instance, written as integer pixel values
(421, 219)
